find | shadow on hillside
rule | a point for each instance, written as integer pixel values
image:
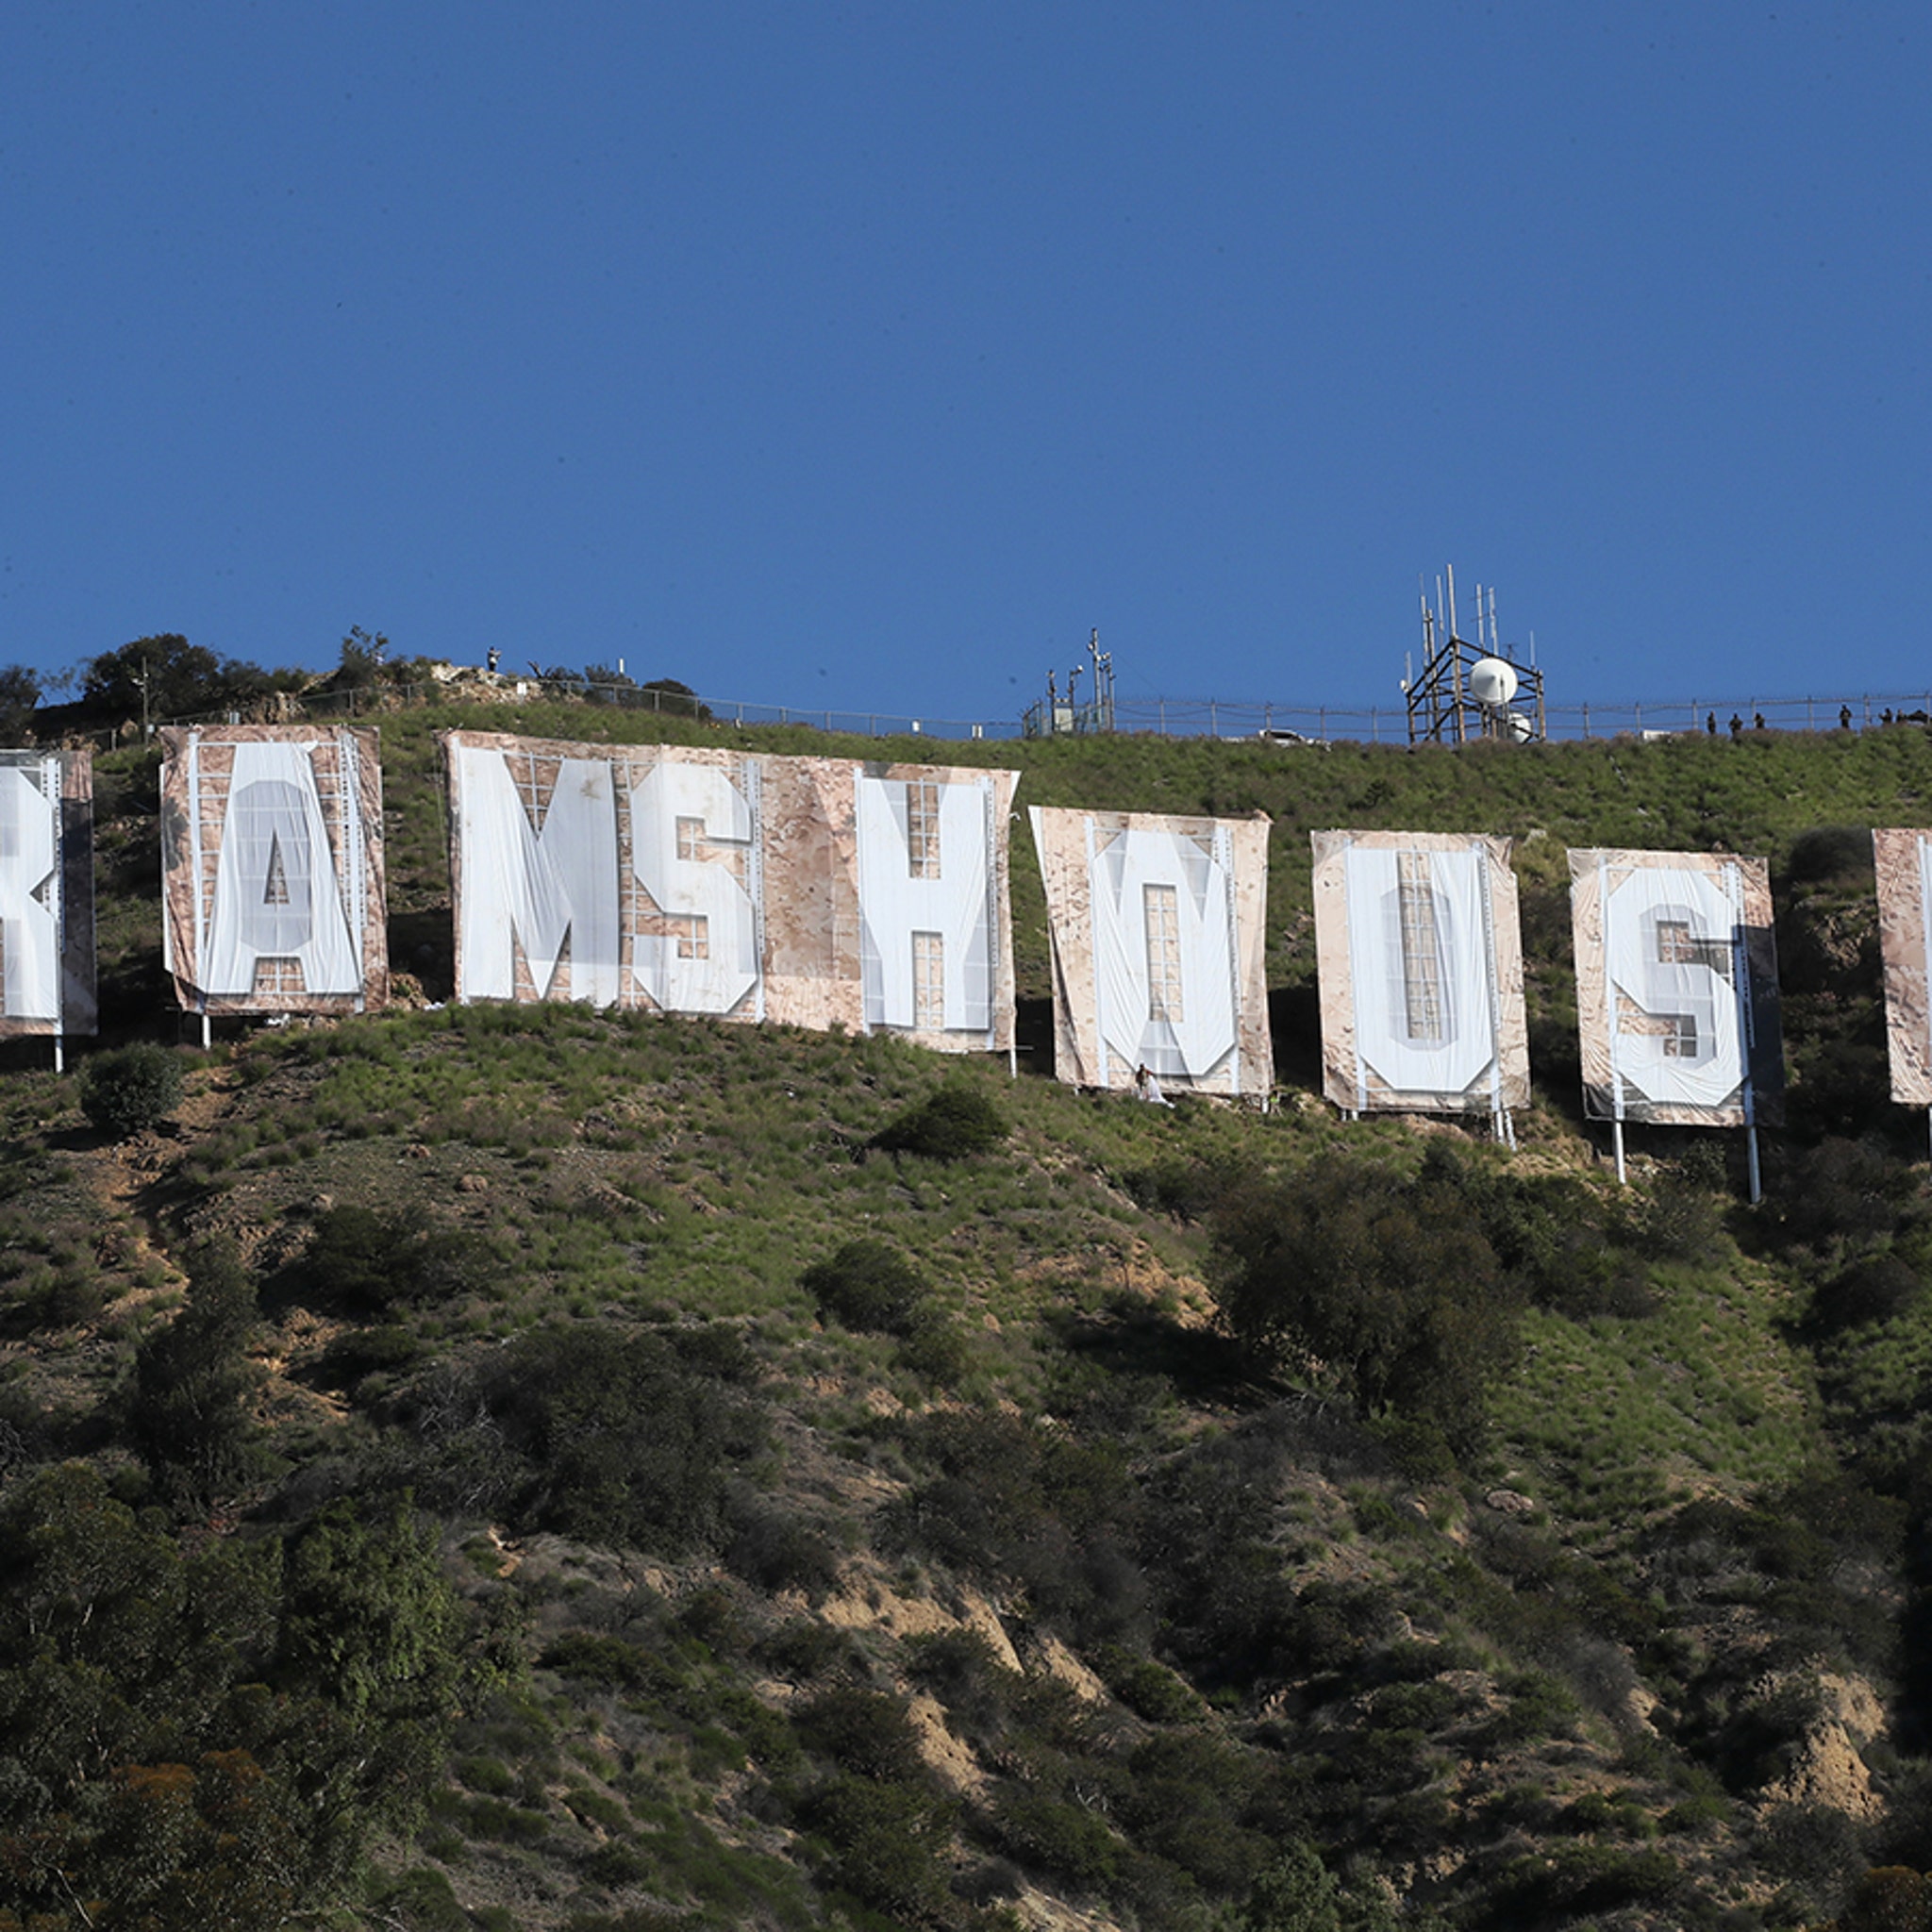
(424, 943)
(1295, 1025)
(1033, 1036)
(1203, 1367)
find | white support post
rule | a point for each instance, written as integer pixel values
(1617, 1141)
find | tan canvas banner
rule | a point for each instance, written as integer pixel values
(1420, 951)
(271, 869)
(1676, 988)
(47, 892)
(699, 880)
(1158, 931)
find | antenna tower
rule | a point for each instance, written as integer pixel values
(1062, 714)
(1471, 688)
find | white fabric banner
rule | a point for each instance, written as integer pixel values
(1676, 988)
(1158, 925)
(1420, 952)
(276, 893)
(1164, 964)
(926, 903)
(271, 874)
(696, 880)
(707, 960)
(1421, 968)
(535, 882)
(29, 882)
(1670, 946)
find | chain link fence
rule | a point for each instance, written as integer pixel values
(1720, 717)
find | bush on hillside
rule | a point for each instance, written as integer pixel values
(190, 1398)
(621, 1441)
(1386, 1285)
(130, 1090)
(368, 1264)
(868, 1285)
(1873, 1290)
(952, 1125)
(1842, 1195)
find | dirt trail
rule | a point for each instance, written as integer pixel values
(127, 1176)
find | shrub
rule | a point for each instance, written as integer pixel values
(1841, 1194)
(867, 1285)
(1149, 1690)
(130, 1090)
(671, 697)
(886, 1843)
(951, 1124)
(1890, 1898)
(1389, 1285)
(1186, 1187)
(1048, 1834)
(620, 1440)
(1873, 1290)
(369, 1263)
(360, 1352)
(775, 1550)
(863, 1732)
(189, 1400)
(1830, 852)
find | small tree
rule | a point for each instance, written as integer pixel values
(20, 692)
(674, 699)
(193, 1383)
(1387, 1286)
(166, 677)
(125, 1091)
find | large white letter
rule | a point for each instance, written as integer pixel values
(1421, 969)
(534, 888)
(30, 933)
(707, 959)
(276, 893)
(1164, 960)
(925, 904)
(1670, 936)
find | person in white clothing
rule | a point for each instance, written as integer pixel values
(1149, 1087)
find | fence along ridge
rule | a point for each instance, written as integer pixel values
(1161, 717)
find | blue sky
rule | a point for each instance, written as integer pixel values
(870, 356)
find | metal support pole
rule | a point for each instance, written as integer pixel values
(1617, 1143)
(1751, 1154)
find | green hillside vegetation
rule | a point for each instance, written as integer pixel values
(537, 1467)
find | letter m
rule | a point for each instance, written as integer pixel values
(535, 873)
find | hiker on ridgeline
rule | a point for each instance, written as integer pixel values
(1844, 717)
(1711, 722)
(1757, 721)
(1736, 725)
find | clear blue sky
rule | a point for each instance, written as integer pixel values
(868, 356)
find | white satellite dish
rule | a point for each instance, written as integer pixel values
(1520, 728)
(1491, 681)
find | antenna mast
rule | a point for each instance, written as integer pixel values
(1471, 688)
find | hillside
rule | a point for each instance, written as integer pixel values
(516, 1468)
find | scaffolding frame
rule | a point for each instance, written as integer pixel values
(1443, 710)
